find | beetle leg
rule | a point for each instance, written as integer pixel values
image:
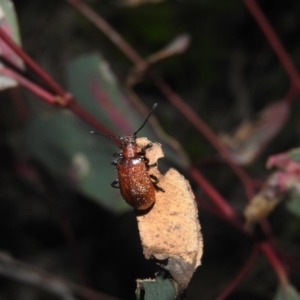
(118, 154)
(143, 150)
(146, 160)
(114, 163)
(152, 165)
(155, 182)
(142, 153)
(155, 179)
(115, 184)
(147, 147)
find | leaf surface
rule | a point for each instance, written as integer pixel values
(170, 230)
(290, 293)
(8, 23)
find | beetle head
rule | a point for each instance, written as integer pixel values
(127, 140)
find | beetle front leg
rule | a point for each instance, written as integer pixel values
(147, 146)
(146, 160)
(115, 184)
(120, 154)
(155, 182)
(143, 150)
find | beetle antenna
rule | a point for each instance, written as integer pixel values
(107, 135)
(149, 115)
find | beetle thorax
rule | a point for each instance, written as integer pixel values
(129, 147)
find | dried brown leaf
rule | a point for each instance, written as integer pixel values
(170, 230)
(262, 204)
(281, 183)
(251, 137)
(277, 186)
(175, 47)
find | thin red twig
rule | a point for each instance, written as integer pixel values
(293, 262)
(275, 262)
(53, 99)
(190, 114)
(274, 41)
(62, 98)
(241, 274)
(32, 64)
(210, 208)
(214, 195)
(31, 86)
(113, 35)
(268, 232)
(291, 93)
(219, 214)
(88, 118)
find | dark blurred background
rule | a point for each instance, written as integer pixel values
(228, 73)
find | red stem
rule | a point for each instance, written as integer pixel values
(87, 117)
(63, 98)
(31, 86)
(274, 41)
(52, 99)
(219, 214)
(290, 260)
(209, 208)
(268, 232)
(113, 35)
(190, 114)
(241, 274)
(275, 262)
(291, 93)
(219, 201)
(32, 64)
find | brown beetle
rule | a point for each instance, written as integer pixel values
(136, 185)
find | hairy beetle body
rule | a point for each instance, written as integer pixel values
(136, 185)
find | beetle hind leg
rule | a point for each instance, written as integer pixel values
(115, 184)
(155, 182)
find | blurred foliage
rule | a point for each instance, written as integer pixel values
(66, 147)
(290, 294)
(228, 74)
